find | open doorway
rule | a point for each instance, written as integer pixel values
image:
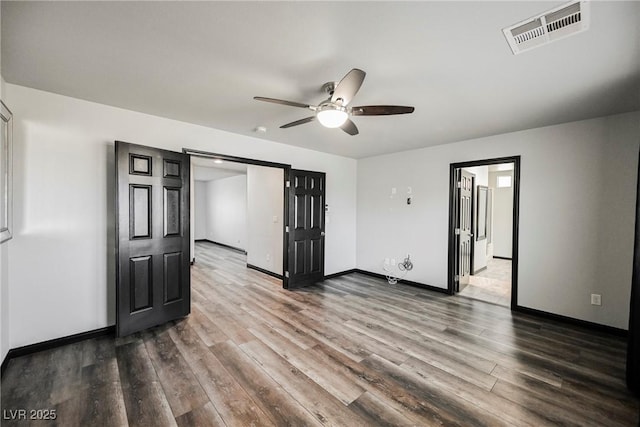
(238, 215)
(300, 223)
(484, 230)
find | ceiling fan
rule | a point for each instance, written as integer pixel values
(335, 111)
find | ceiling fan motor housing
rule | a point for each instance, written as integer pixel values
(329, 87)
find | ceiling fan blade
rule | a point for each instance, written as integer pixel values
(350, 127)
(281, 102)
(298, 122)
(380, 110)
(348, 86)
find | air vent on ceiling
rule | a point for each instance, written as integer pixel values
(566, 20)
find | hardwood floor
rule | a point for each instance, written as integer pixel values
(492, 284)
(353, 351)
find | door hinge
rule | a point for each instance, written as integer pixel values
(457, 278)
(459, 184)
(288, 184)
(286, 274)
(457, 231)
(286, 229)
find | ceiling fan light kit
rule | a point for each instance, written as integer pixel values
(335, 111)
(331, 116)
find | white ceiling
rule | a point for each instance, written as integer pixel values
(206, 169)
(202, 62)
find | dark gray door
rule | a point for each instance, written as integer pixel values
(306, 228)
(153, 283)
(463, 228)
(633, 347)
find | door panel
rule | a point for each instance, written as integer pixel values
(152, 278)
(171, 169)
(316, 255)
(633, 346)
(140, 207)
(300, 208)
(171, 212)
(464, 225)
(316, 211)
(306, 235)
(172, 276)
(141, 289)
(299, 255)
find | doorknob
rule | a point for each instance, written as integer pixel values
(322, 233)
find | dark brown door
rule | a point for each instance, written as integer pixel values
(306, 228)
(463, 228)
(153, 283)
(633, 347)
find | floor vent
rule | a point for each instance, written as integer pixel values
(555, 24)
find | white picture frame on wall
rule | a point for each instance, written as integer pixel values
(6, 172)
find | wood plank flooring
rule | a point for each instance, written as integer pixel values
(492, 284)
(352, 351)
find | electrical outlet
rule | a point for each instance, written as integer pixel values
(596, 299)
(393, 261)
(386, 261)
(268, 257)
(275, 218)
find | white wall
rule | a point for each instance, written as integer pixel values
(265, 215)
(480, 246)
(226, 211)
(61, 265)
(577, 208)
(4, 260)
(4, 301)
(502, 215)
(199, 210)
